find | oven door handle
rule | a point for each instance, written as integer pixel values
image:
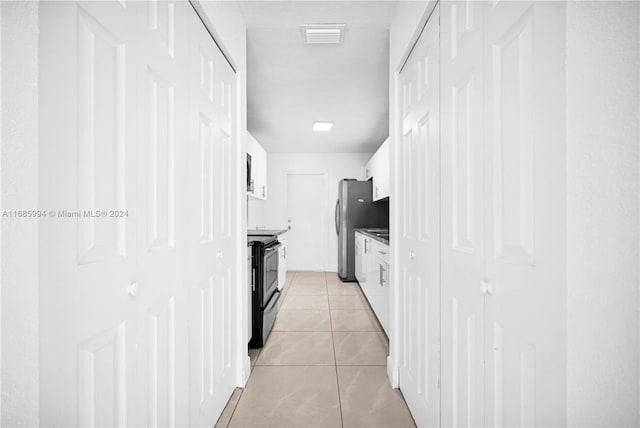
(274, 300)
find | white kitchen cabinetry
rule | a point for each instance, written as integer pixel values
(361, 270)
(372, 273)
(282, 261)
(258, 168)
(377, 290)
(378, 169)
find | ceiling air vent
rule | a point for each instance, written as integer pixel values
(322, 34)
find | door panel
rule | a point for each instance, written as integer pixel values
(89, 328)
(524, 178)
(212, 242)
(462, 214)
(306, 209)
(419, 246)
(162, 233)
(115, 96)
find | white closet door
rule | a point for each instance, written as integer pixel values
(462, 214)
(525, 182)
(419, 234)
(213, 160)
(113, 293)
(163, 92)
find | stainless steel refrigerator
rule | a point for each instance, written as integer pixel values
(355, 209)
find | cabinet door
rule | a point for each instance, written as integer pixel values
(359, 256)
(261, 174)
(258, 167)
(382, 180)
(380, 293)
(366, 261)
(282, 262)
(368, 168)
(418, 234)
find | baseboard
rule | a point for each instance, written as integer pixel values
(393, 373)
(332, 268)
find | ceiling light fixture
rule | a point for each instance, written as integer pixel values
(322, 126)
(322, 34)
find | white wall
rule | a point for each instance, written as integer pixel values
(335, 166)
(603, 113)
(19, 311)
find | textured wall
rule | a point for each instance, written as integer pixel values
(602, 209)
(19, 191)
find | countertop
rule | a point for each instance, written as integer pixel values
(266, 232)
(380, 235)
(257, 238)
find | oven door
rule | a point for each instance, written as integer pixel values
(270, 272)
(269, 316)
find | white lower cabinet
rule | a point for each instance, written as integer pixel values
(372, 273)
(361, 270)
(282, 261)
(377, 290)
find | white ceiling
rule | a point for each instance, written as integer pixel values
(290, 85)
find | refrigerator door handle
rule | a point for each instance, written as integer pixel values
(337, 217)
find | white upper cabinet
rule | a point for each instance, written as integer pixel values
(378, 169)
(258, 168)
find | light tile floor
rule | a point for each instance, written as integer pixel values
(324, 364)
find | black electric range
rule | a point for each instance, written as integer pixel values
(265, 293)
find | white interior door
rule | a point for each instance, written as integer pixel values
(213, 163)
(525, 214)
(419, 243)
(113, 295)
(306, 211)
(162, 228)
(462, 214)
(134, 96)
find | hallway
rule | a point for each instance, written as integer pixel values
(324, 364)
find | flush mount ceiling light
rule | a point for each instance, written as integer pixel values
(322, 126)
(322, 34)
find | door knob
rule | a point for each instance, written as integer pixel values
(486, 287)
(219, 255)
(412, 255)
(133, 289)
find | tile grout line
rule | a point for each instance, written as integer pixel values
(335, 362)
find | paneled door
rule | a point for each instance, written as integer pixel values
(161, 125)
(419, 243)
(462, 214)
(213, 238)
(524, 213)
(113, 93)
(138, 162)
